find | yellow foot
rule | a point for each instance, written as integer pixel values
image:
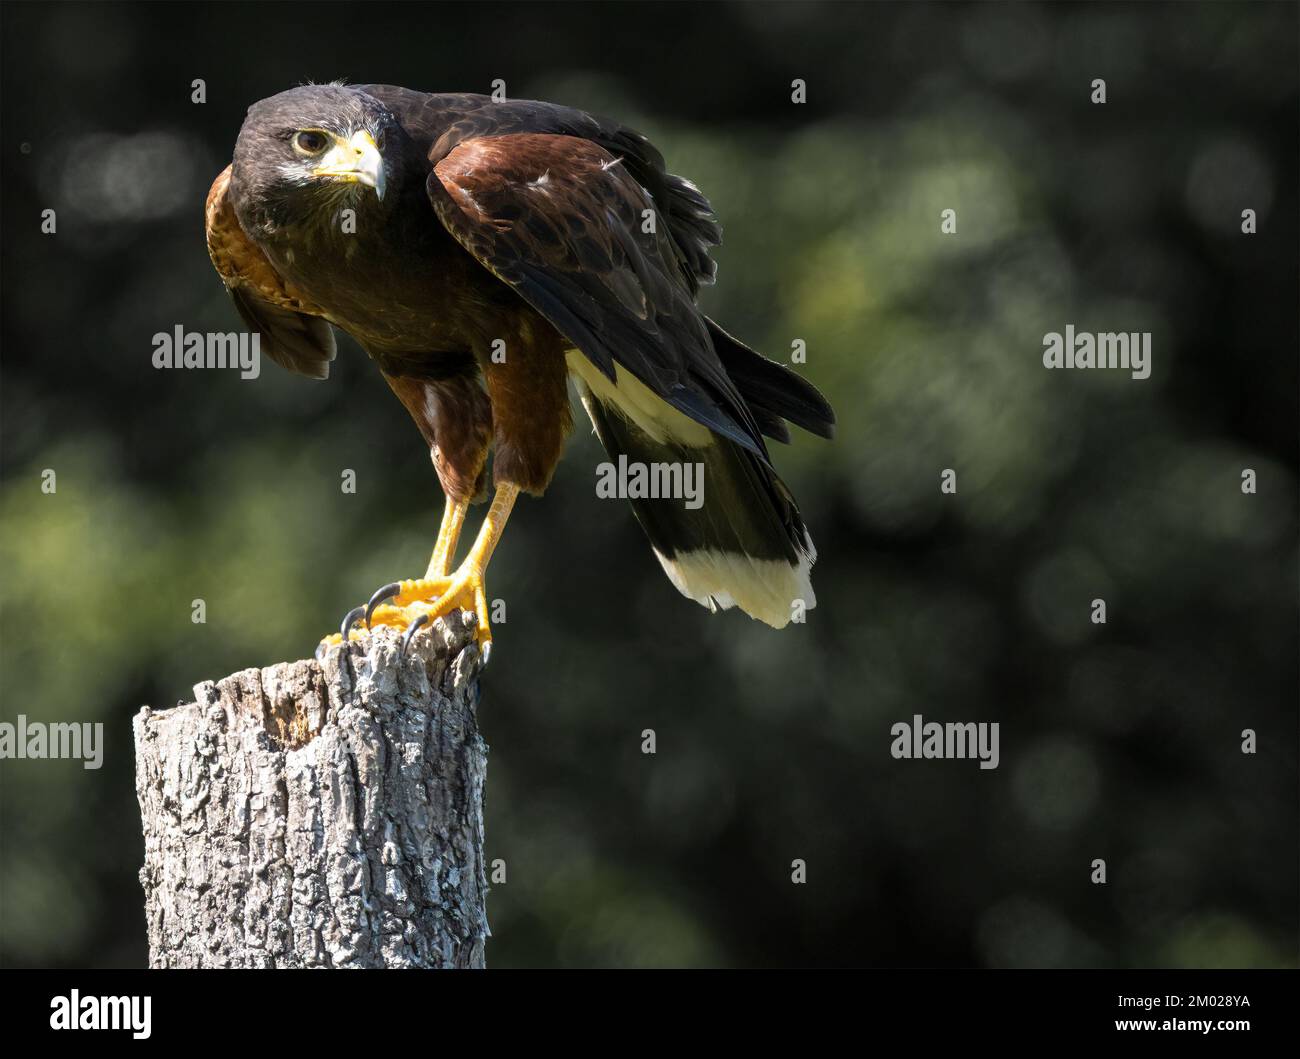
(416, 603)
(413, 604)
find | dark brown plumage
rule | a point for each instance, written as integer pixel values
(496, 249)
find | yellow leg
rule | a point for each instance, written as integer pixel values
(493, 526)
(435, 596)
(453, 518)
(465, 588)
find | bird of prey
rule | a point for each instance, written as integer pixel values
(483, 252)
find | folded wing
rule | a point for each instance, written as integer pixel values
(562, 221)
(293, 334)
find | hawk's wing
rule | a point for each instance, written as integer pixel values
(565, 224)
(440, 121)
(293, 334)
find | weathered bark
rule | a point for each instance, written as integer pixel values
(320, 814)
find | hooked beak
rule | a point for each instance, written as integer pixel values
(357, 161)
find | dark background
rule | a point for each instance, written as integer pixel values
(1119, 741)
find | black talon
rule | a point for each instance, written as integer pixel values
(387, 592)
(350, 619)
(411, 630)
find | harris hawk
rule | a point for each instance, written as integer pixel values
(497, 249)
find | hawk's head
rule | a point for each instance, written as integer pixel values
(304, 153)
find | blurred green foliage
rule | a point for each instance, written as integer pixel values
(1120, 742)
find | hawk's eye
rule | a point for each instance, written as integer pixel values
(309, 141)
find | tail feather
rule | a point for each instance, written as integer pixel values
(746, 546)
(772, 391)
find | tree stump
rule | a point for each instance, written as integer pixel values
(321, 814)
